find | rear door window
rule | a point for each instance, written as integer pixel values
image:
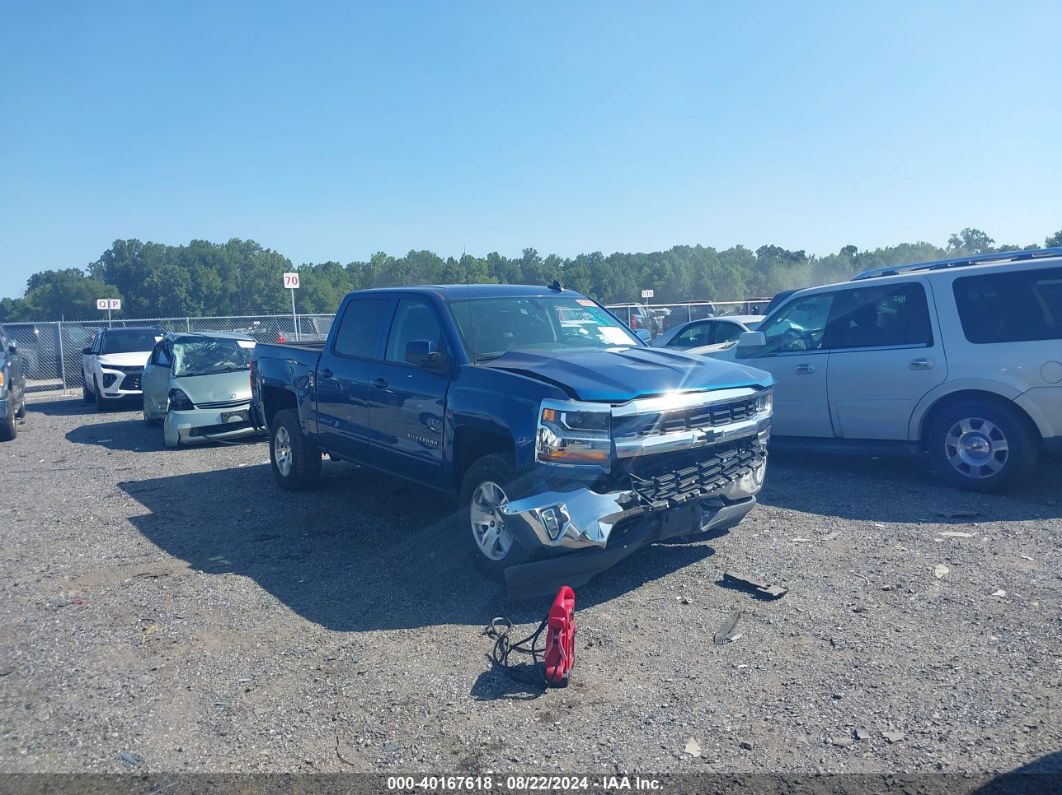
(881, 316)
(1011, 306)
(365, 321)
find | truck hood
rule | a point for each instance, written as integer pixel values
(133, 359)
(616, 375)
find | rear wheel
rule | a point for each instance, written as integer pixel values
(86, 396)
(295, 460)
(488, 486)
(981, 446)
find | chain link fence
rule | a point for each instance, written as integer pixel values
(52, 351)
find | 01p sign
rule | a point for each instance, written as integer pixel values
(291, 280)
(104, 304)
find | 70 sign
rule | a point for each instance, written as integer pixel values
(291, 281)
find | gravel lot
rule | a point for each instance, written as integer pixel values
(175, 607)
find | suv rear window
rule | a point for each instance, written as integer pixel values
(1015, 306)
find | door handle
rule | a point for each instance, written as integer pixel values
(805, 369)
(379, 383)
(326, 373)
(921, 364)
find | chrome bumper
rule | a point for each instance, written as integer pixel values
(584, 519)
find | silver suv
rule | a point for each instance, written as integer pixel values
(960, 358)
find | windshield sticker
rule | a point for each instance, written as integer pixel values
(614, 335)
(584, 302)
(245, 343)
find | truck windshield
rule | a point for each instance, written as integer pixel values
(492, 326)
(205, 356)
(129, 341)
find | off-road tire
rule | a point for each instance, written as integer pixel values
(995, 423)
(297, 463)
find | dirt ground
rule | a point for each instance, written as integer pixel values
(172, 610)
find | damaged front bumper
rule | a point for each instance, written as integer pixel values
(583, 532)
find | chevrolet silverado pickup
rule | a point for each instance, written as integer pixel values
(568, 441)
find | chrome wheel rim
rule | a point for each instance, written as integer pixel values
(492, 538)
(282, 450)
(976, 448)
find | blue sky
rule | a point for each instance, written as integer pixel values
(333, 130)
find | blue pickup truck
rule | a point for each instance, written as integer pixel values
(12, 387)
(568, 441)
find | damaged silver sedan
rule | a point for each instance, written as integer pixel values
(197, 387)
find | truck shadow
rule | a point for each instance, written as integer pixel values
(363, 551)
(901, 489)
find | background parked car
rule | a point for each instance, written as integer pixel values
(960, 358)
(711, 332)
(112, 365)
(12, 387)
(198, 388)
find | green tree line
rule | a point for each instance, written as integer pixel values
(241, 277)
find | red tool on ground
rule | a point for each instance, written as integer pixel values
(554, 661)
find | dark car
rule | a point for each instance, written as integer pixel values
(569, 442)
(12, 387)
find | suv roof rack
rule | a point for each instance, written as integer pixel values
(958, 262)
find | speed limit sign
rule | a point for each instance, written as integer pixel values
(291, 280)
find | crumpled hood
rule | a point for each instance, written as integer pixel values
(216, 388)
(616, 375)
(134, 359)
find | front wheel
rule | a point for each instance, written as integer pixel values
(102, 404)
(982, 446)
(488, 486)
(8, 429)
(21, 413)
(295, 460)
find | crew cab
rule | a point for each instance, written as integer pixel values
(960, 358)
(569, 443)
(112, 366)
(12, 387)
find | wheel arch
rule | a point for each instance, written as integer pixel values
(472, 442)
(946, 401)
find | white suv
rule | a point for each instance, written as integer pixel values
(112, 365)
(960, 358)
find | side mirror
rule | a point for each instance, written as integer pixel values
(86, 351)
(643, 334)
(423, 353)
(748, 343)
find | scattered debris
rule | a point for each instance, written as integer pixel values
(862, 734)
(842, 742)
(130, 759)
(893, 736)
(746, 745)
(725, 633)
(999, 592)
(801, 539)
(955, 534)
(831, 536)
(879, 524)
(692, 748)
(773, 591)
(684, 600)
(940, 571)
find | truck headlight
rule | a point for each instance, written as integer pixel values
(765, 401)
(573, 433)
